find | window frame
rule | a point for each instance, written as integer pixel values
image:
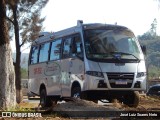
(31, 53)
(48, 52)
(62, 39)
(60, 54)
(72, 38)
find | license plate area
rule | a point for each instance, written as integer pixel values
(121, 82)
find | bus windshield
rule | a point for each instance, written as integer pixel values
(111, 44)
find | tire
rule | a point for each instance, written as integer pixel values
(95, 101)
(44, 100)
(76, 92)
(85, 96)
(136, 99)
(110, 100)
(29, 98)
(132, 99)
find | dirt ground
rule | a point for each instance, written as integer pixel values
(147, 103)
(83, 108)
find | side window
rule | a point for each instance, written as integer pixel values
(67, 47)
(34, 55)
(77, 46)
(132, 46)
(44, 50)
(55, 50)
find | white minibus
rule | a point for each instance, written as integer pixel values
(87, 61)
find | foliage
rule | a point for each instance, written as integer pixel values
(24, 18)
(153, 27)
(20, 108)
(152, 42)
(146, 36)
(24, 73)
(28, 16)
(151, 33)
(154, 72)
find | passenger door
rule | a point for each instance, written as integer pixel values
(72, 63)
(53, 69)
(65, 62)
(77, 60)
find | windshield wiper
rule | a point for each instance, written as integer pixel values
(122, 53)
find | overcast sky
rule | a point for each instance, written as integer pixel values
(134, 14)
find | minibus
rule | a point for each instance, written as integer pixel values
(88, 61)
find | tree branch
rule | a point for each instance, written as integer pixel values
(10, 20)
(22, 43)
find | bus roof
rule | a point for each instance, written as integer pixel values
(47, 36)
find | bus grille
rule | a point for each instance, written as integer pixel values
(120, 80)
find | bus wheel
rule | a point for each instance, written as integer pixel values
(132, 99)
(95, 101)
(76, 92)
(44, 100)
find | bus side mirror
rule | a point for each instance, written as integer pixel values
(144, 49)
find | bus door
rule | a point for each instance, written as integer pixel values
(72, 63)
(65, 63)
(53, 69)
(76, 61)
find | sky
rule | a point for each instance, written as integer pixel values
(137, 15)
(134, 14)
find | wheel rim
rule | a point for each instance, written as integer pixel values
(76, 95)
(43, 99)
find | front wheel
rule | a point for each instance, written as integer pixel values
(95, 101)
(132, 99)
(76, 92)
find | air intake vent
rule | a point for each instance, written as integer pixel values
(120, 80)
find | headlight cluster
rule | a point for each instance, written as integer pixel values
(95, 73)
(141, 74)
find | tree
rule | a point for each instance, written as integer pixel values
(24, 18)
(146, 36)
(153, 27)
(24, 73)
(7, 76)
(151, 33)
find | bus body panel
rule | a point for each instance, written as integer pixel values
(120, 70)
(65, 79)
(35, 78)
(47, 74)
(53, 77)
(119, 67)
(77, 71)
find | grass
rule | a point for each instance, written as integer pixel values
(21, 108)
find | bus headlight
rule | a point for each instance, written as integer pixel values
(95, 73)
(141, 74)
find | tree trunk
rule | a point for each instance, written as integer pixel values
(7, 75)
(19, 95)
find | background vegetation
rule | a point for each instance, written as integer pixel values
(152, 42)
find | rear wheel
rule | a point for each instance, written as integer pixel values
(45, 101)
